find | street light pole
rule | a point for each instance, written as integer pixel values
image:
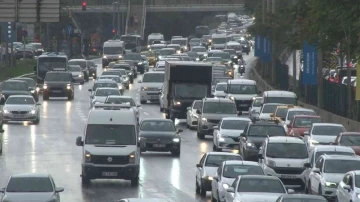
(118, 15)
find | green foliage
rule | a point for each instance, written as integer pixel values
(22, 67)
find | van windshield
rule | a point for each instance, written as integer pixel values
(110, 134)
(282, 100)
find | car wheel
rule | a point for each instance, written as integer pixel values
(85, 180)
(202, 190)
(37, 121)
(200, 135)
(127, 87)
(135, 181)
(308, 188)
(142, 101)
(213, 199)
(45, 97)
(82, 83)
(319, 191)
(214, 147)
(176, 153)
(197, 188)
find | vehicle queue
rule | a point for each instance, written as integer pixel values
(280, 147)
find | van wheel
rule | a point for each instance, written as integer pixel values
(142, 101)
(197, 187)
(176, 153)
(45, 97)
(85, 180)
(135, 181)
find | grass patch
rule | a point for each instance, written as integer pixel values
(22, 67)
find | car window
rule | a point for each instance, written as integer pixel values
(234, 124)
(319, 153)
(257, 103)
(29, 184)
(266, 130)
(281, 112)
(107, 92)
(108, 85)
(13, 86)
(242, 89)
(20, 101)
(350, 140)
(269, 108)
(261, 185)
(216, 160)
(232, 171)
(158, 126)
(29, 82)
(287, 150)
(219, 108)
(291, 114)
(58, 77)
(153, 78)
(341, 165)
(303, 200)
(110, 134)
(120, 100)
(305, 122)
(220, 87)
(197, 105)
(327, 130)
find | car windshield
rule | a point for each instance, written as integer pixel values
(125, 67)
(220, 87)
(29, 184)
(58, 77)
(116, 73)
(198, 49)
(181, 42)
(20, 101)
(236, 47)
(261, 185)
(166, 126)
(157, 48)
(243, 42)
(104, 85)
(29, 82)
(242, 89)
(216, 160)
(110, 134)
(319, 153)
(114, 78)
(232, 171)
(190, 90)
(37, 46)
(341, 165)
(120, 100)
(167, 51)
(327, 130)
(291, 114)
(13, 86)
(305, 122)
(257, 103)
(230, 51)
(132, 56)
(195, 41)
(153, 78)
(106, 92)
(222, 55)
(350, 140)
(287, 150)
(82, 64)
(176, 47)
(304, 200)
(281, 112)
(74, 68)
(357, 181)
(266, 130)
(219, 40)
(234, 124)
(219, 108)
(219, 59)
(269, 108)
(283, 100)
(197, 105)
(113, 50)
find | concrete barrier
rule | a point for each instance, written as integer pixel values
(349, 124)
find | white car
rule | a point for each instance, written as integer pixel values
(207, 167)
(328, 172)
(116, 99)
(21, 108)
(150, 86)
(160, 66)
(227, 173)
(296, 111)
(101, 95)
(284, 157)
(322, 134)
(254, 188)
(349, 187)
(267, 109)
(254, 110)
(191, 115)
(219, 91)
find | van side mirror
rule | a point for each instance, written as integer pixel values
(316, 170)
(347, 187)
(272, 115)
(260, 156)
(59, 189)
(79, 142)
(90, 90)
(198, 165)
(198, 111)
(180, 130)
(242, 135)
(307, 165)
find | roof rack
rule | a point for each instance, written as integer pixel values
(112, 106)
(53, 53)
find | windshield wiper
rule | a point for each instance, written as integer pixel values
(211, 164)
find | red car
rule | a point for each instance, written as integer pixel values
(349, 139)
(301, 124)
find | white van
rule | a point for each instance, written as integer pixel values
(111, 147)
(112, 51)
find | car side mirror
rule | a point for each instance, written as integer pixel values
(139, 81)
(79, 142)
(230, 190)
(216, 177)
(242, 135)
(189, 108)
(2, 190)
(316, 170)
(198, 111)
(272, 115)
(59, 189)
(216, 127)
(138, 105)
(347, 187)
(90, 90)
(260, 156)
(180, 131)
(306, 133)
(38, 104)
(307, 165)
(198, 165)
(290, 191)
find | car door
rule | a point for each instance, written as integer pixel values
(188, 113)
(200, 170)
(316, 177)
(229, 197)
(57, 195)
(343, 194)
(308, 170)
(216, 183)
(242, 141)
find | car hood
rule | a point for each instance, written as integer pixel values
(28, 196)
(230, 133)
(257, 196)
(201, 53)
(264, 116)
(75, 73)
(326, 139)
(210, 171)
(301, 131)
(57, 82)
(218, 45)
(8, 93)
(152, 85)
(113, 56)
(157, 134)
(100, 99)
(19, 107)
(219, 94)
(289, 163)
(242, 96)
(333, 177)
(110, 150)
(217, 116)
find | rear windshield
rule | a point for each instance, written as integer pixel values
(30, 184)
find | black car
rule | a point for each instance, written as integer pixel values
(31, 84)
(27, 52)
(160, 135)
(127, 68)
(245, 45)
(133, 67)
(254, 135)
(58, 84)
(84, 66)
(13, 87)
(92, 68)
(136, 57)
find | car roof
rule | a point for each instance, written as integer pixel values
(300, 109)
(279, 93)
(121, 96)
(221, 83)
(77, 60)
(157, 119)
(22, 78)
(14, 80)
(146, 200)
(261, 123)
(108, 76)
(280, 104)
(327, 124)
(154, 73)
(22, 175)
(321, 148)
(222, 153)
(167, 49)
(24, 96)
(342, 157)
(350, 133)
(307, 116)
(217, 100)
(239, 162)
(106, 88)
(356, 172)
(236, 118)
(303, 196)
(285, 139)
(104, 81)
(241, 81)
(259, 177)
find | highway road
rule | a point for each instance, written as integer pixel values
(50, 148)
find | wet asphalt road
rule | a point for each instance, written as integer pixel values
(50, 148)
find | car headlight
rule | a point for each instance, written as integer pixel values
(177, 103)
(176, 140)
(313, 142)
(250, 144)
(197, 59)
(37, 89)
(185, 48)
(358, 195)
(232, 98)
(245, 46)
(140, 63)
(209, 178)
(330, 184)
(87, 156)
(178, 52)
(236, 57)
(45, 86)
(126, 78)
(68, 87)
(148, 46)
(205, 55)
(120, 56)
(221, 139)
(132, 157)
(210, 40)
(143, 88)
(6, 111)
(80, 75)
(120, 87)
(225, 186)
(33, 111)
(149, 49)
(204, 120)
(130, 73)
(32, 91)
(160, 57)
(104, 56)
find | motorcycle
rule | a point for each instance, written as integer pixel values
(241, 69)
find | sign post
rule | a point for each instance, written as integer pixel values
(309, 76)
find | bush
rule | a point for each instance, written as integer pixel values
(22, 67)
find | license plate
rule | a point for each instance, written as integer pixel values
(236, 147)
(17, 115)
(56, 91)
(243, 105)
(109, 174)
(288, 176)
(154, 97)
(159, 145)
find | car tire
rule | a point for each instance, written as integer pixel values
(82, 83)
(143, 101)
(127, 87)
(202, 190)
(240, 113)
(172, 117)
(45, 97)
(132, 81)
(213, 199)
(176, 153)
(307, 188)
(85, 180)
(247, 53)
(319, 191)
(135, 181)
(37, 99)
(214, 147)
(197, 188)
(37, 121)
(87, 78)
(200, 135)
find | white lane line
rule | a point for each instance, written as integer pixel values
(146, 113)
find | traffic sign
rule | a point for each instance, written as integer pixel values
(309, 76)
(69, 30)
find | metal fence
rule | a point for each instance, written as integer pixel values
(152, 2)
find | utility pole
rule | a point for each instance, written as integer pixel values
(273, 47)
(118, 15)
(114, 13)
(263, 21)
(268, 6)
(294, 84)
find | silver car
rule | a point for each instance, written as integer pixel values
(77, 74)
(219, 90)
(254, 110)
(267, 109)
(116, 99)
(31, 186)
(21, 108)
(121, 73)
(101, 95)
(115, 78)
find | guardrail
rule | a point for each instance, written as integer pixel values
(153, 2)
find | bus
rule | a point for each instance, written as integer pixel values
(201, 30)
(48, 61)
(132, 43)
(154, 37)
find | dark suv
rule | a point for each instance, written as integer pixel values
(138, 60)
(13, 87)
(254, 135)
(58, 84)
